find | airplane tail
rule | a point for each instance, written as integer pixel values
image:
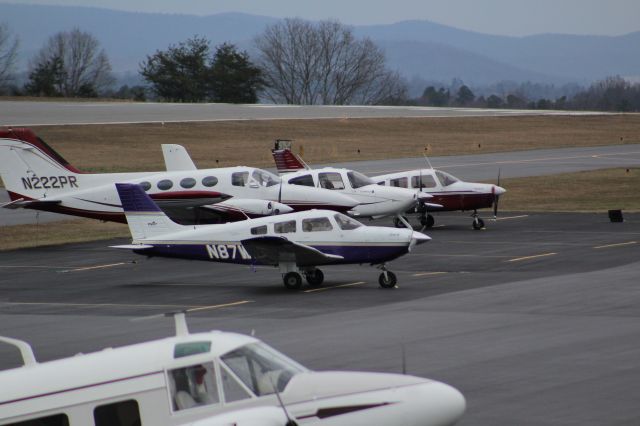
(144, 217)
(287, 161)
(32, 169)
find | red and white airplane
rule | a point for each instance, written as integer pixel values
(448, 192)
(37, 177)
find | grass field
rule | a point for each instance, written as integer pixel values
(599, 190)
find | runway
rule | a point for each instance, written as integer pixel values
(21, 113)
(481, 167)
(534, 319)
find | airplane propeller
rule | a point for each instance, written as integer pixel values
(496, 198)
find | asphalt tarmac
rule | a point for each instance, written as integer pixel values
(534, 319)
(479, 167)
(20, 113)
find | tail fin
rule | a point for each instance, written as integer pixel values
(29, 167)
(287, 161)
(144, 217)
(176, 158)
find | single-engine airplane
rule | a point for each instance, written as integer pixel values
(37, 177)
(212, 379)
(296, 243)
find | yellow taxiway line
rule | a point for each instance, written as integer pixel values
(422, 274)
(335, 286)
(628, 243)
(517, 259)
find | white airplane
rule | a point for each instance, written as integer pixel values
(212, 379)
(37, 177)
(375, 201)
(296, 243)
(449, 193)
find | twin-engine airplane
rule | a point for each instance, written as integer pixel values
(296, 243)
(449, 193)
(212, 379)
(37, 177)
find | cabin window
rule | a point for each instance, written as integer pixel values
(209, 181)
(358, 180)
(55, 420)
(124, 413)
(346, 223)
(232, 389)
(427, 181)
(193, 386)
(445, 178)
(259, 230)
(188, 183)
(330, 180)
(399, 182)
(284, 227)
(145, 185)
(239, 178)
(316, 224)
(305, 180)
(165, 184)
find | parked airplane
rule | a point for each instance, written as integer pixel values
(449, 193)
(297, 243)
(37, 177)
(212, 379)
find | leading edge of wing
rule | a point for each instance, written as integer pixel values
(273, 250)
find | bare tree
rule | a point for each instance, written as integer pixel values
(8, 50)
(85, 68)
(323, 63)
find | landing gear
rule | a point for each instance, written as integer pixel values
(314, 277)
(292, 280)
(427, 221)
(478, 223)
(400, 222)
(387, 279)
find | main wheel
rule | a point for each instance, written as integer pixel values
(427, 221)
(292, 280)
(315, 277)
(478, 224)
(389, 281)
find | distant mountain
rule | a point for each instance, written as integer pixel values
(418, 49)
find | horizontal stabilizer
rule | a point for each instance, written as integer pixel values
(274, 250)
(133, 247)
(433, 205)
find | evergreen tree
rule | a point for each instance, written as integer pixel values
(234, 79)
(47, 78)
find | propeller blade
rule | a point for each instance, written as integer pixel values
(496, 197)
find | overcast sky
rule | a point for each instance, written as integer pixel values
(505, 17)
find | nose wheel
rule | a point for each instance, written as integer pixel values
(387, 279)
(427, 221)
(478, 223)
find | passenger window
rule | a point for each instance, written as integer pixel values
(306, 180)
(124, 413)
(55, 420)
(399, 182)
(145, 186)
(427, 181)
(188, 182)
(285, 227)
(330, 180)
(209, 181)
(240, 178)
(193, 386)
(346, 223)
(165, 184)
(259, 230)
(232, 389)
(316, 224)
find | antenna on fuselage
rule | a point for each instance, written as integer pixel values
(28, 357)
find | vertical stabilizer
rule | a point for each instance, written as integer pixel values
(176, 158)
(287, 161)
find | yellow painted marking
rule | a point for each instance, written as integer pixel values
(628, 243)
(517, 259)
(88, 268)
(512, 217)
(90, 305)
(335, 286)
(224, 305)
(422, 274)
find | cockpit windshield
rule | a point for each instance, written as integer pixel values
(265, 178)
(261, 368)
(346, 223)
(358, 179)
(445, 178)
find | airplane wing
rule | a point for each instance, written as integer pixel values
(176, 158)
(21, 203)
(139, 247)
(274, 250)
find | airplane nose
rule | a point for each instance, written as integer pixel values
(498, 190)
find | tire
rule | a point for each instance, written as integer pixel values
(427, 221)
(315, 278)
(388, 282)
(292, 280)
(478, 224)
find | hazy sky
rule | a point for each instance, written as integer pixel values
(505, 17)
